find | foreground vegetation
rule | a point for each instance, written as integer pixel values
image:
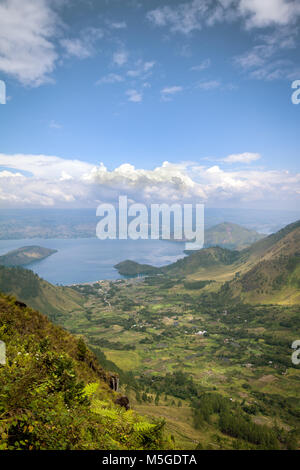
(55, 395)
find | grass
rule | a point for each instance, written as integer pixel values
(125, 360)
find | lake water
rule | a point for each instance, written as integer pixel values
(83, 260)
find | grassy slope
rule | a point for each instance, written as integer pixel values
(275, 273)
(39, 294)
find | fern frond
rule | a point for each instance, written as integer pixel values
(90, 389)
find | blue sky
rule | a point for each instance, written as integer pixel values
(202, 84)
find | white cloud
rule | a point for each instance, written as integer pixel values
(110, 78)
(54, 181)
(183, 18)
(76, 47)
(134, 96)
(82, 47)
(267, 60)
(118, 25)
(209, 85)
(242, 158)
(27, 30)
(10, 174)
(30, 35)
(141, 69)
(205, 64)
(261, 13)
(44, 166)
(193, 15)
(169, 91)
(120, 58)
(65, 176)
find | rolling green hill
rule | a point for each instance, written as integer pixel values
(25, 255)
(131, 268)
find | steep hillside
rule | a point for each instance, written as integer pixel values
(39, 294)
(25, 255)
(275, 276)
(266, 272)
(258, 249)
(206, 258)
(213, 257)
(231, 236)
(55, 395)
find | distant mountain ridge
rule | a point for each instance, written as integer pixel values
(231, 236)
(268, 269)
(226, 236)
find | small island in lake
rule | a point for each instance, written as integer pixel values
(25, 255)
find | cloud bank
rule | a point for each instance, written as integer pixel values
(50, 181)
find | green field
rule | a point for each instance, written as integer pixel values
(245, 356)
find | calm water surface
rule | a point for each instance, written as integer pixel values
(83, 260)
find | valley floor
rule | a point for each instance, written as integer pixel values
(155, 328)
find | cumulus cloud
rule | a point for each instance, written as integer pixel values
(10, 174)
(39, 180)
(44, 166)
(27, 49)
(32, 40)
